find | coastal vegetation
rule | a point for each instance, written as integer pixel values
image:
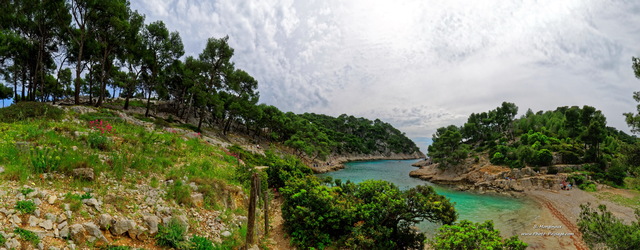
(566, 136)
(600, 228)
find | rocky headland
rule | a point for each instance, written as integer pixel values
(482, 176)
(336, 162)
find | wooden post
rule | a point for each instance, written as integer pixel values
(266, 211)
(252, 211)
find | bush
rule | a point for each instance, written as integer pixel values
(542, 157)
(25, 191)
(201, 243)
(26, 110)
(498, 159)
(616, 173)
(356, 216)
(601, 227)
(589, 187)
(27, 235)
(469, 235)
(552, 170)
(172, 235)
(26, 207)
(98, 141)
(632, 183)
(180, 192)
(2, 240)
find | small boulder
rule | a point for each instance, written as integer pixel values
(13, 244)
(16, 220)
(84, 173)
(151, 222)
(64, 232)
(77, 233)
(52, 199)
(105, 221)
(225, 234)
(94, 231)
(47, 224)
(33, 221)
(134, 232)
(122, 226)
(92, 203)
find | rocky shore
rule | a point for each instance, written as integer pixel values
(481, 176)
(556, 225)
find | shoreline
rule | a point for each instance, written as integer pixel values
(336, 162)
(557, 213)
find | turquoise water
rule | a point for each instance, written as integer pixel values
(510, 215)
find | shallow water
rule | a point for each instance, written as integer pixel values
(510, 215)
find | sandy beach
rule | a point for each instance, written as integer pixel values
(556, 226)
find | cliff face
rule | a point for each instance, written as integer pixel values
(482, 176)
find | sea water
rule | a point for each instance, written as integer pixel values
(510, 215)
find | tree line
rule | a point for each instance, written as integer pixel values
(567, 135)
(55, 49)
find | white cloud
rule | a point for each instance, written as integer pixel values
(422, 64)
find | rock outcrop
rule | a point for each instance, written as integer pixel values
(484, 177)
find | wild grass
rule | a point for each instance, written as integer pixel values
(25, 207)
(632, 202)
(27, 235)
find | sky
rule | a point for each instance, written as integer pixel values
(419, 64)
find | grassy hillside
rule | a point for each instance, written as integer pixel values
(56, 160)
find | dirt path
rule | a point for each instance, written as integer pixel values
(577, 236)
(562, 208)
(277, 233)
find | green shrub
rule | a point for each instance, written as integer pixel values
(469, 235)
(180, 192)
(2, 240)
(45, 160)
(632, 183)
(542, 157)
(26, 207)
(172, 235)
(589, 187)
(25, 110)
(98, 141)
(498, 159)
(26, 191)
(75, 200)
(27, 235)
(201, 243)
(600, 227)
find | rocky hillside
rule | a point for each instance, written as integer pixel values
(85, 177)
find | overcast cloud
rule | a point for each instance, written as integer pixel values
(417, 64)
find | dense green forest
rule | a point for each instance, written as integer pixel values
(53, 50)
(567, 135)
